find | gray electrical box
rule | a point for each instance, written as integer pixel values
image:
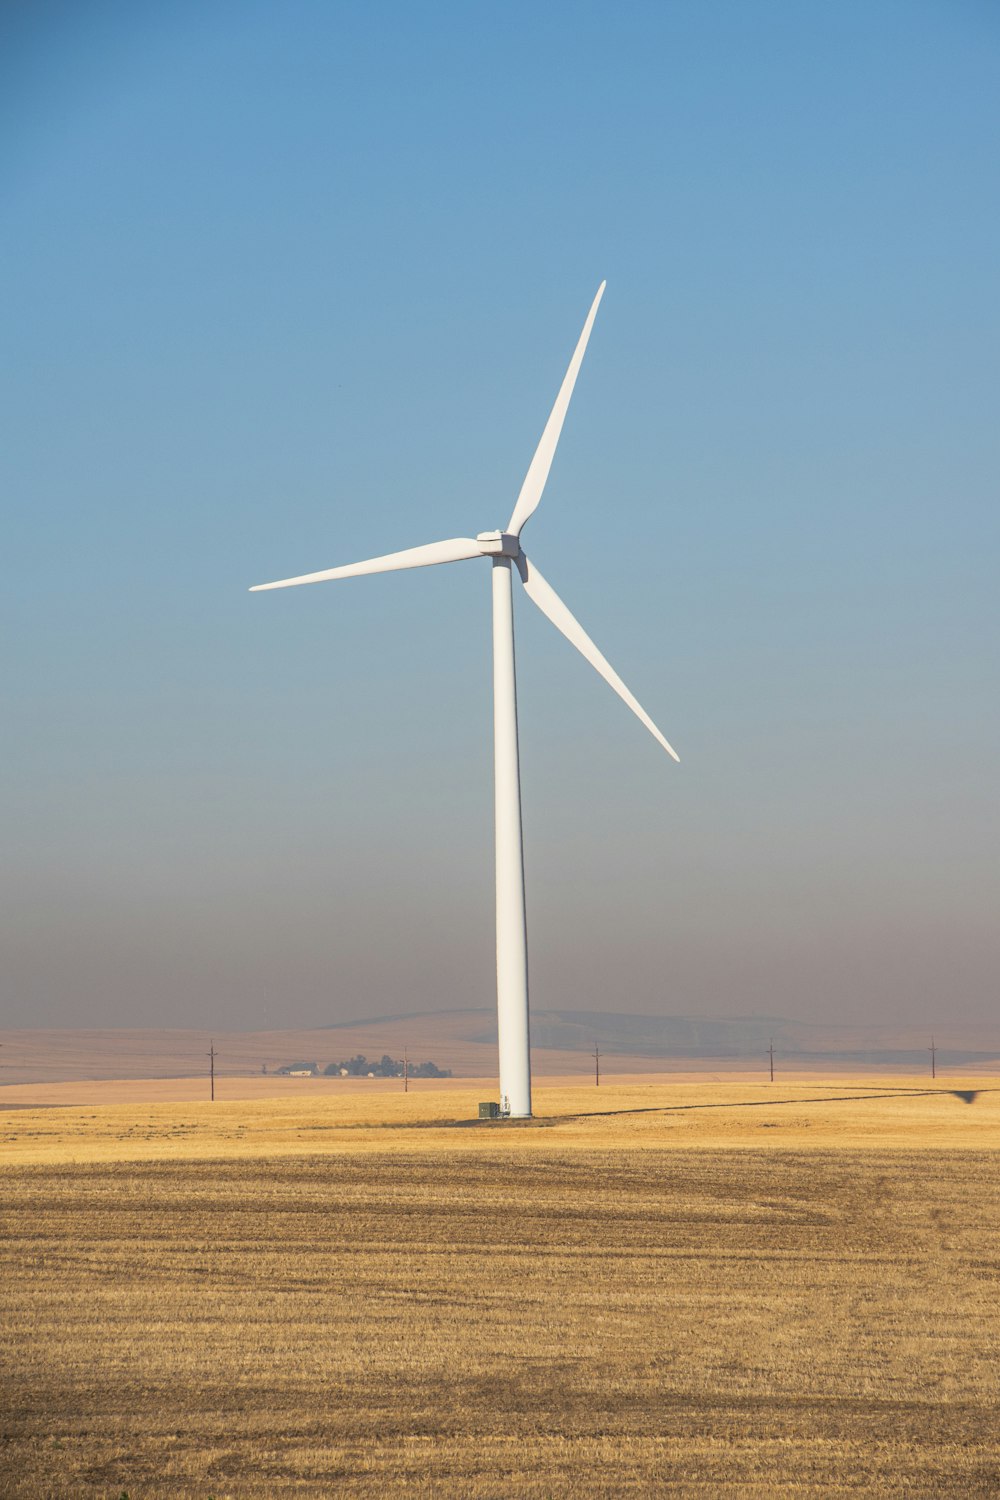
(489, 1111)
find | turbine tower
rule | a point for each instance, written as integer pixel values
(504, 549)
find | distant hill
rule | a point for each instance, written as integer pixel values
(742, 1037)
(465, 1042)
(661, 1038)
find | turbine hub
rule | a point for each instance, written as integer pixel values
(498, 544)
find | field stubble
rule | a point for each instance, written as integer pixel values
(571, 1309)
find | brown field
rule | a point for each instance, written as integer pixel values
(704, 1289)
(462, 1040)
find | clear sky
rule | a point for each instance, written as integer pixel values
(288, 285)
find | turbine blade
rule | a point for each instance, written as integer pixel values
(550, 604)
(538, 472)
(455, 550)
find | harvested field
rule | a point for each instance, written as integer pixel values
(590, 1306)
(320, 1115)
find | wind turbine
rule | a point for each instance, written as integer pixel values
(504, 549)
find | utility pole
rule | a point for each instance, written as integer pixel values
(933, 1051)
(212, 1055)
(406, 1072)
(596, 1055)
(770, 1054)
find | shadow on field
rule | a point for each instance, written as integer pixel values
(968, 1096)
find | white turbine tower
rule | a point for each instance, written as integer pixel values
(504, 548)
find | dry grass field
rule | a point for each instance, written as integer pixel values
(702, 1289)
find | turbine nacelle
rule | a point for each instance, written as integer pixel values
(498, 544)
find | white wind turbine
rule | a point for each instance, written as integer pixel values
(504, 547)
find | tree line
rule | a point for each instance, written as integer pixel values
(363, 1067)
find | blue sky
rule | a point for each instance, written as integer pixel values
(291, 285)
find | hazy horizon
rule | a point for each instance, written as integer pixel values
(290, 288)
